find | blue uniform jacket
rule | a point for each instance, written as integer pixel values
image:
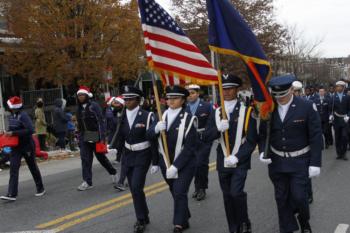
(246, 149)
(21, 125)
(202, 113)
(300, 128)
(340, 107)
(133, 135)
(324, 108)
(187, 154)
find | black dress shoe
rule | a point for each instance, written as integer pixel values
(339, 157)
(177, 230)
(345, 158)
(139, 227)
(201, 195)
(245, 227)
(305, 226)
(146, 221)
(306, 230)
(186, 226)
(195, 193)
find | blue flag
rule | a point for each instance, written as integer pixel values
(229, 34)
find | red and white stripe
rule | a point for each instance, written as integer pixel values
(177, 54)
(171, 80)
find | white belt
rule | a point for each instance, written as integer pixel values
(137, 146)
(292, 153)
(340, 115)
(201, 130)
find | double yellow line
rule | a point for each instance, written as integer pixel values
(103, 208)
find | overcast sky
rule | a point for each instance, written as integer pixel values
(318, 19)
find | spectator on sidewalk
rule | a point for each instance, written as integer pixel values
(60, 121)
(40, 124)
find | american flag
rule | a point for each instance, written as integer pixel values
(169, 51)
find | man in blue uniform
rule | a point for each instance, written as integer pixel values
(295, 153)
(202, 111)
(138, 151)
(340, 105)
(323, 107)
(20, 125)
(91, 127)
(233, 168)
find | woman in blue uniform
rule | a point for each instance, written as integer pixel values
(181, 134)
(137, 150)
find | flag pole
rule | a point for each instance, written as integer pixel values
(224, 116)
(213, 87)
(162, 133)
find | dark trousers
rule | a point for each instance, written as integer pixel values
(328, 133)
(15, 163)
(341, 139)
(122, 176)
(202, 166)
(179, 190)
(235, 199)
(87, 151)
(61, 140)
(291, 194)
(309, 188)
(42, 141)
(137, 178)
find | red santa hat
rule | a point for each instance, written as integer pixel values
(84, 90)
(15, 102)
(120, 100)
(109, 100)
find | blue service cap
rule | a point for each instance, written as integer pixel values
(229, 81)
(130, 92)
(176, 91)
(280, 85)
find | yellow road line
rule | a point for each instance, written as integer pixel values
(111, 208)
(94, 207)
(124, 200)
(105, 210)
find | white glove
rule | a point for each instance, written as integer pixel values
(331, 118)
(223, 126)
(346, 119)
(314, 171)
(265, 161)
(171, 172)
(154, 169)
(230, 161)
(161, 125)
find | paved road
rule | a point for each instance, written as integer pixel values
(103, 210)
